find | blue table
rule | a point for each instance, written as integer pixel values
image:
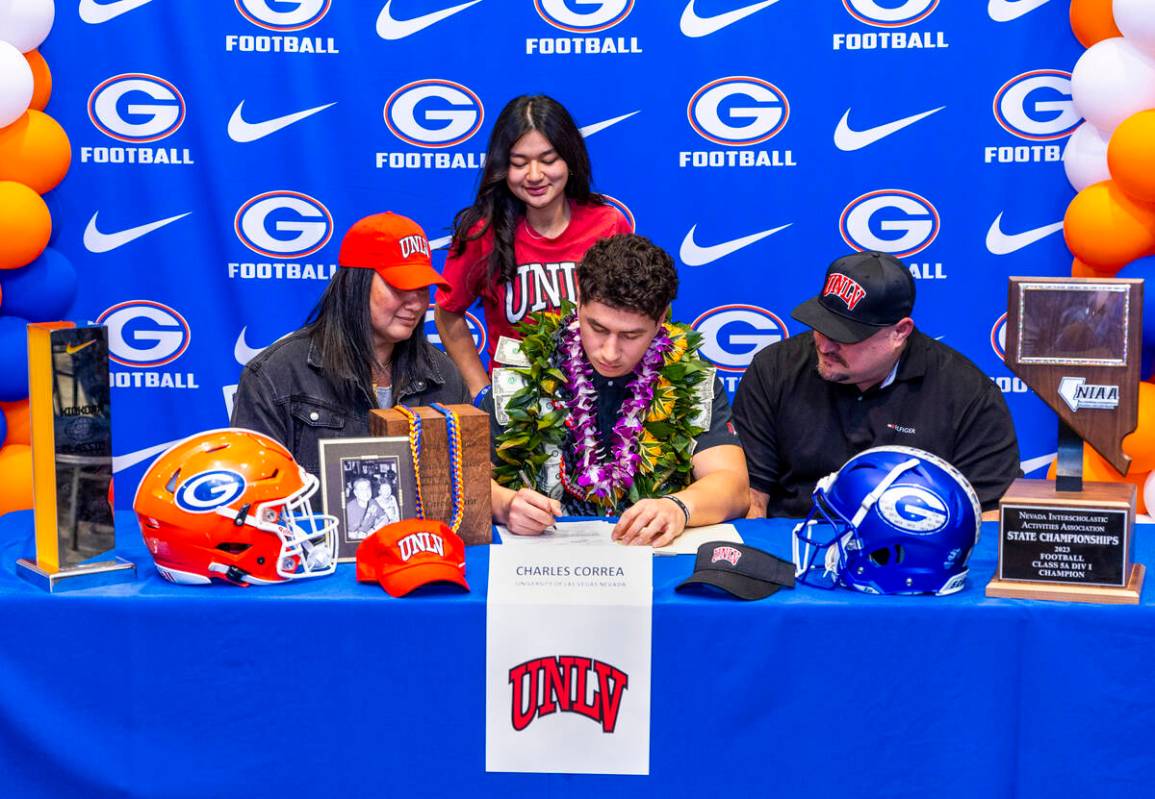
(334, 689)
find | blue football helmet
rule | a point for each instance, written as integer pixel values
(892, 520)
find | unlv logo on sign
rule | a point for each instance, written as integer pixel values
(546, 685)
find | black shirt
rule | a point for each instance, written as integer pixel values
(796, 427)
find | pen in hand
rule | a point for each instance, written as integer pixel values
(524, 475)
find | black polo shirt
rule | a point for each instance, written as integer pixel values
(796, 427)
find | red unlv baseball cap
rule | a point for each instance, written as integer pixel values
(393, 246)
(410, 554)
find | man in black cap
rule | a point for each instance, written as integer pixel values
(865, 377)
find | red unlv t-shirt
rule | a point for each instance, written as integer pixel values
(546, 270)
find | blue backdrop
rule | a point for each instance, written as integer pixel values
(221, 150)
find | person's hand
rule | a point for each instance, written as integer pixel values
(530, 513)
(652, 522)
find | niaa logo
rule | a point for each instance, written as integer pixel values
(625, 210)
(136, 108)
(999, 337)
(145, 334)
(283, 224)
(871, 221)
(476, 329)
(434, 113)
(733, 334)
(296, 14)
(913, 509)
(604, 14)
(738, 111)
(207, 491)
(881, 16)
(1037, 105)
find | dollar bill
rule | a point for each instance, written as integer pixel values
(509, 352)
(506, 383)
(704, 401)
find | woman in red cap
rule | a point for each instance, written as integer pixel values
(518, 245)
(362, 347)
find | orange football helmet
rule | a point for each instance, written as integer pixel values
(233, 505)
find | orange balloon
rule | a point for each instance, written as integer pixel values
(19, 426)
(1080, 269)
(1131, 156)
(1140, 443)
(1092, 21)
(34, 150)
(1097, 470)
(16, 477)
(41, 80)
(25, 225)
(1106, 229)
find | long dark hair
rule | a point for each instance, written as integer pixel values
(340, 328)
(495, 208)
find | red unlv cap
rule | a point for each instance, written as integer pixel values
(410, 554)
(393, 246)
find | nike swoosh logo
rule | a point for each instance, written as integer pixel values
(694, 255)
(72, 349)
(849, 140)
(999, 243)
(1037, 463)
(597, 127)
(95, 241)
(1006, 10)
(392, 29)
(122, 462)
(245, 132)
(95, 13)
(244, 353)
(696, 27)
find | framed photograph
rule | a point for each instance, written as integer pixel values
(366, 483)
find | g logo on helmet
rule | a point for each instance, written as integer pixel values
(625, 209)
(304, 224)
(145, 334)
(476, 329)
(733, 334)
(913, 509)
(738, 111)
(604, 14)
(999, 337)
(1037, 105)
(279, 15)
(867, 220)
(907, 13)
(434, 113)
(207, 491)
(136, 108)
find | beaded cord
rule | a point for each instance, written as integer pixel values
(415, 451)
(456, 472)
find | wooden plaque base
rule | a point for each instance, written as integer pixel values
(477, 524)
(1039, 532)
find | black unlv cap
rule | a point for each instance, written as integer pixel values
(862, 292)
(743, 571)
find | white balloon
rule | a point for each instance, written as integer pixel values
(1135, 19)
(25, 23)
(1112, 81)
(15, 84)
(1149, 493)
(1085, 157)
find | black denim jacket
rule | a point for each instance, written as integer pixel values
(284, 394)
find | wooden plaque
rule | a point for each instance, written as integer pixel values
(477, 524)
(1073, 546)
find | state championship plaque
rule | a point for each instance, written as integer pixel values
(70, 410)
(1076, 343)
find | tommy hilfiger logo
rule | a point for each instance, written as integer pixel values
(546, 685)
(845, 289)
(910, 431)
(413, 543)
(727, 554)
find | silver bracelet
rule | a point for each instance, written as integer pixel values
(680, 504)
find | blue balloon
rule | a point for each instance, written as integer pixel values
(1144, 269)
(43, 291)
(13, 359)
